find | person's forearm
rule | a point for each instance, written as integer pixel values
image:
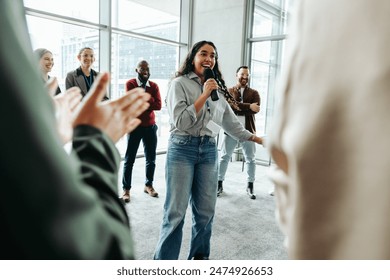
(256, 139)
(97, 153)
(199, 103)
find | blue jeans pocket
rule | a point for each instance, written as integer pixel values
(180, 139)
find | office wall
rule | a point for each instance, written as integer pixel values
(222, 22)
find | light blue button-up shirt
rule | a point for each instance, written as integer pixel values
(183, 91)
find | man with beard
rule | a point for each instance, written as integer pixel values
(146, 131)
(249, 105)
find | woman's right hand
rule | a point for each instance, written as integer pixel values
(113, 117)
(209, 86)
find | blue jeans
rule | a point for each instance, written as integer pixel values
(227, 149)
(148, 135)
(191, 177)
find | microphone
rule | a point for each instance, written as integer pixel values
(208, 73)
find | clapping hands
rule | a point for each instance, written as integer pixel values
(65, 104)
(113, 117)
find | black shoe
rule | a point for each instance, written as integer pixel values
(220, 188)
(249, 191)
(200, 257)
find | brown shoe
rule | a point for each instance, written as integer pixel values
(149, 190)
(126, 195)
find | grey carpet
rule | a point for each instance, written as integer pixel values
(243, 229)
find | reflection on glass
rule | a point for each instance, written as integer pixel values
(260, 77)
(163, 62)
(265, 73)
(262, 51)
(86, 10)
(155, 18)
(270, 20)
(275, 2)
(265, 66)
(262, 24)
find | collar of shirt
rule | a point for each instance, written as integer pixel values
(140, 84)
(193, 76)
(79, 72)
(240, 89)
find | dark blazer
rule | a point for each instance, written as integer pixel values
(75, 78)
(52, 205)
(250, 96)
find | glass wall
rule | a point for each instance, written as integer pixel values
(155, 18)
(163, 61)
(121, 32)
(87, 10)
(266, 44)
(64, 41)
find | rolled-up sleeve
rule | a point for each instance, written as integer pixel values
(232, 125)
(180, 107)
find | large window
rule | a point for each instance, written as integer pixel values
(64, 41)
(121, 32)
(87, 10)
(154, 17)
(163, 62)
(266, 40)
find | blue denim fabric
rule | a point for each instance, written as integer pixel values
(227, 149)
(148, 135)
(191, 177)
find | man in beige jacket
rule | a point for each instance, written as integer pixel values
(331, 138)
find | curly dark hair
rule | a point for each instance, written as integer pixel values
(187, 65)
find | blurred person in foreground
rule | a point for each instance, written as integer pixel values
(52, 205)
(330, 141)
